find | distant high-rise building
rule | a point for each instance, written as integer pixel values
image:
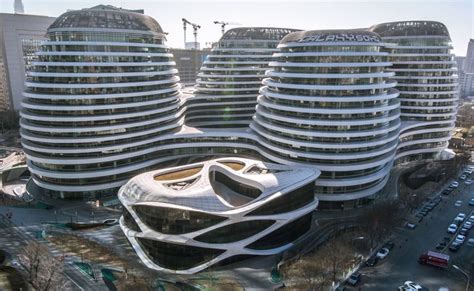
(18, 7)
(467, 86)
(20, 37)
(188, 62)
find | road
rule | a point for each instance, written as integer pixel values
(401, 264)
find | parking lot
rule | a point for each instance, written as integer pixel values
(430, 233)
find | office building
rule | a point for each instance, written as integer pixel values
(426, 73)
(103, 87)
(229, 81)
(20, 37)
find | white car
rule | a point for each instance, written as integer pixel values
(454, 184)
(382, 253)
(467, 225)
(461, 215)
(463, 177)
(458, 203)
(452, 228)
(460, 239)
(468, 182)
(410, 286)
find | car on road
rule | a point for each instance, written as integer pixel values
(454, 247)
(460, 239)
(471, 202)
(354, 279)
(382, 253)
(411, 286)
(372, 261)
(458, 203)
(463, 177)
(452, 228)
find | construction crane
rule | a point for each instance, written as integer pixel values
(195, 31)
(223, 24)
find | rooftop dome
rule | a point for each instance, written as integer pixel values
(332, 35)
(106, 16)
(411, 28)
(256, 33)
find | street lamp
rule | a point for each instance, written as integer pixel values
(465, 274)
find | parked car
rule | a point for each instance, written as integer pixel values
(458, 203)
(452, 228)
(463, 177)
(461, 215)
(455, 184)
(471, 219)
(354, 278)
(454, 247)
(467, 225)
(410, 225)
(460, 239)
(382, 253)
(464, 231)
(372, 261)
(468, 182)
(471, 202)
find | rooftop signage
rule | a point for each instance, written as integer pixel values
(340, 37)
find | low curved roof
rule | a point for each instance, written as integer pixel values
(256, 33)
(107, 17)
(332, 35)
(411, 28)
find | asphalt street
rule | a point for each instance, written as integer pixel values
(401, 264)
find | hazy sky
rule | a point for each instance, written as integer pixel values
(456, 14)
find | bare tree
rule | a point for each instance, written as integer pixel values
(45, 272)
(378, 222)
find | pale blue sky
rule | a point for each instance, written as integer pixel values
(456, 14)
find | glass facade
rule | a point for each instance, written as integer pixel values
(175, 221)
(235, 232)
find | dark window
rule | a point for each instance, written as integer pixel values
(288, 202)
(175, 221)
(177, 257)
(235, 232)
(284, 235)
(129, 221)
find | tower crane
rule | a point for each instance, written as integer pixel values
(195, 29)
(223, 24)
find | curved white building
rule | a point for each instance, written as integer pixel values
(229, 80)
(185, 219)
(328, 102)
(103, 85)
(426, 73)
